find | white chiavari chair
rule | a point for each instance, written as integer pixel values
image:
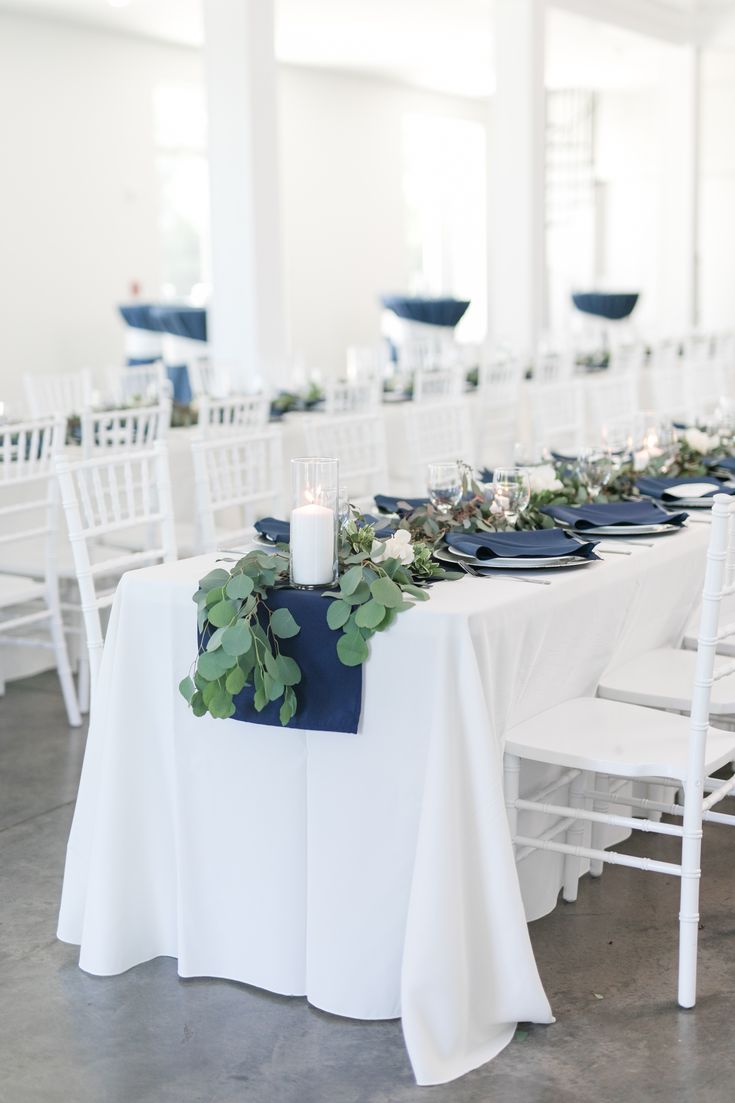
(366, 362)
(358, 442)
(438, 384)
(602, 744)
(104, 497)
(124, 430)
(29, 513)
(237, 480)
(499, 391)
(724, 351)
(557, 415)
(668, 391)
(612, 405)
(241, 413)
(209, 379)
(437, 432)
(552, 365)
(58, 393)
(351, 397)
(703, 376)
(139, 383)
(627, 359)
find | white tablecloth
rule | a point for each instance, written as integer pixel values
(372, 873)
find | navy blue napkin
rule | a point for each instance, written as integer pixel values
(724, 463)
(536, 543)
(613, 513)
(657, 488)
(388, 504)
(329, 694)
(280, 531)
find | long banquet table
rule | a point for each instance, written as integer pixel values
(372, 873)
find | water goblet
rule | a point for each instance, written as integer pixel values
(594, 468)
(444, 481)
(512, 492)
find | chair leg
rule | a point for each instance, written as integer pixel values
(574, 837)
(64, 670)
(689, 897)
(84, 680)
(511, 784)
(602, 785)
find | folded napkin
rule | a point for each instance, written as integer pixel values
(613, 513)
(725, 463)
(388, 504)
(329, 694)
(533, 543)
(280, 531)
(659, 488)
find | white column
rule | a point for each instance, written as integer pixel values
(246, 317)
(516, 170)
(679, 189)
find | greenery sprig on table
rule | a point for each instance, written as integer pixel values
(241, 636)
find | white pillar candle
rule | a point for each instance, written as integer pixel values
(312, 545)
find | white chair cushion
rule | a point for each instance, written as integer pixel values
(663, 679)
(609, 737)
(17, 589)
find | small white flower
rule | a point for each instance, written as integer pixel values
(700, 441)
(397, 546)
(543, 478)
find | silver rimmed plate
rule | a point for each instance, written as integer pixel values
(625, 530)
(518, 563)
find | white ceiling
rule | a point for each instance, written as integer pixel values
(446, 45)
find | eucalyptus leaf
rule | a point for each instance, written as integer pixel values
(215, 639)
(352, 649)
(360, 595)
(415, 591)
(222, 614)
(240, 586)
(283, 624)
(221, 706)
(187, 689)
(213, 664)
(215, 578)
(386, 592)
(338, 613)
(197, 705)
(237, 639)
(370, 615)
(288, 670)
(260, 700)
(350, 580)
(235, 681)
(273, 688)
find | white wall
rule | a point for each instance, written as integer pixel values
(344, 221)
(78, 189)
(717, 191)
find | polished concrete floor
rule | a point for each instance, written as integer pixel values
(147, 1037)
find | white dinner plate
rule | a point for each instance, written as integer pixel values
(689, 491)
(446, 555)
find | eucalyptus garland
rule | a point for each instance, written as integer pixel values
(240, 635)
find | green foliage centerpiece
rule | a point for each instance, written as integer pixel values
(241, 637)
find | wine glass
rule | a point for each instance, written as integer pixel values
(618, 446)
(512, 492)
(594, 468)
(530, 455)
(444, 482)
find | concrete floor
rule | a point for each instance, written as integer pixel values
(147, 1037)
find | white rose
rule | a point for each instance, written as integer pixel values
(396, 547)
(701, 442)
(543, 478)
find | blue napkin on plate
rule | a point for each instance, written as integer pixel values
(280, 531)
(533, 543)
(388, 504)
(613, 513)
(329, 694)
(724, 463)
(658, 488)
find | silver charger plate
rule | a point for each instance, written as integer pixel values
(624, 530)
(526, 564)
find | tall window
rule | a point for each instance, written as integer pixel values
(181, 161)
(444, 189)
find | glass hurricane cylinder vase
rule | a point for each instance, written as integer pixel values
(314, 507)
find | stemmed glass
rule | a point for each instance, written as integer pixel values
(444, 482)
(511, 492)
(594, 467)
